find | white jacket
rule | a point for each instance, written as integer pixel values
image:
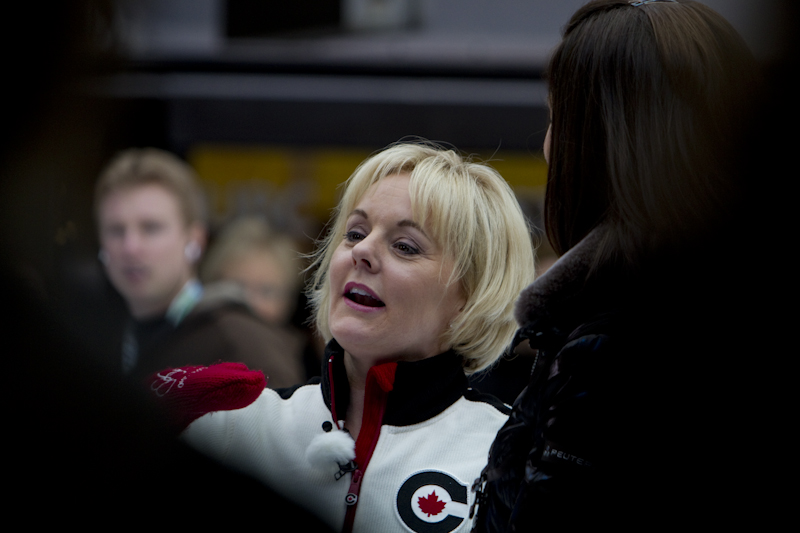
(425, 437)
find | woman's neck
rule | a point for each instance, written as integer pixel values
(357, 378)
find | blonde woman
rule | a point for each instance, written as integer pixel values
(414, 288)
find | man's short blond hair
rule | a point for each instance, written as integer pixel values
(144, 166)
(472, 213)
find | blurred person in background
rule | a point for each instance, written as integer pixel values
(639, 408)
(263, 262)
(266, 266)
(150, 216)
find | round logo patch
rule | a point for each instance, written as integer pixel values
(432, 502)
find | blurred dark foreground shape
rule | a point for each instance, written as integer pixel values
(82, 447)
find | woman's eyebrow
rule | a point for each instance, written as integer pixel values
(405, 223)
(411, 224)
(358, 212)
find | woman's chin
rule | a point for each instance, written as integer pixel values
(355, 330)
(362, 349)
(376, 342)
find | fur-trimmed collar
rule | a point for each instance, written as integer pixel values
(568, 293)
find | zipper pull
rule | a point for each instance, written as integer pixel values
(355, 486)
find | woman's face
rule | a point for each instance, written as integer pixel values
(389, 300)
(548, 137)
(265, 283)
(546, 145)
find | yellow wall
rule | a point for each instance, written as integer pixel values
(227, 171)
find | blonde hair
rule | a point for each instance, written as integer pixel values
(251, 235)
(472, 213)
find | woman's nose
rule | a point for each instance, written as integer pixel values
(365, 255)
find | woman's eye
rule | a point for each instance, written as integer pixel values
(353, 236)
(406, 248)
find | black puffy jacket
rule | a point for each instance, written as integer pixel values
(548, 446)
(628, 419)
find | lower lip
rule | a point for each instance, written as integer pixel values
(362, 308)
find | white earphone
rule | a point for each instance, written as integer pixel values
(192, 251)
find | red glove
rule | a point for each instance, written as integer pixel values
(192, 391)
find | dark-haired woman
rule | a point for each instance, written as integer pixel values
(629, 418)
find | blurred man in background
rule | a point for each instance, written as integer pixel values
(149, 211)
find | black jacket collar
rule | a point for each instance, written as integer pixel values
(422, 389)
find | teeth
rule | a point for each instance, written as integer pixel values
(363, 297)
(361, 292)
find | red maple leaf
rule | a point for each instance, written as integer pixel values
(431, 504)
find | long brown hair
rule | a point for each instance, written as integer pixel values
(648, 104)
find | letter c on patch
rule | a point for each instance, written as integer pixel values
(432, 502)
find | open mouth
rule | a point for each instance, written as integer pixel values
(364, 298)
